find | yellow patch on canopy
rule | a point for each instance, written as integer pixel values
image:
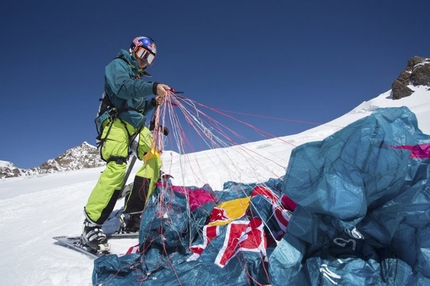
(228, 211)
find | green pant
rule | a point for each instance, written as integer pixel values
(114, 150)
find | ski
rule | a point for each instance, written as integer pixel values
(74, 243)
(124, 235)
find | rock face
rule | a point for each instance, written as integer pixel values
(9, 170)
(80, 157)
(417, 72)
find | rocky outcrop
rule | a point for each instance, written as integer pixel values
(80, 157)
(9, 170)
(417, 72)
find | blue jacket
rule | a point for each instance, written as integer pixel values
(127, 92)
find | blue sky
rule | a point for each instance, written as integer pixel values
(304, 61)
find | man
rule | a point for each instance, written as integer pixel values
(129, 99)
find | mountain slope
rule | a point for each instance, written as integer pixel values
(79, 157)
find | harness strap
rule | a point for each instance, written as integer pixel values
(101, 140)
(131, 144)
(117, 159)
(113, 113)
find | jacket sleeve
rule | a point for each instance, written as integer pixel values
(121, 82)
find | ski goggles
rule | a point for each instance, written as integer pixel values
(144, 54)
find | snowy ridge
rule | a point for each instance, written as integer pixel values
(80, 157)
(8, 170)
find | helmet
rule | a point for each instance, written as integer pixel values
(144, 48)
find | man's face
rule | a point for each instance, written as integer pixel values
(142, 63)
(144, 57)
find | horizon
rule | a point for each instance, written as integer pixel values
(305, 63)
(418, 100)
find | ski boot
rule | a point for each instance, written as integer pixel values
(130, 222)
(94, 238)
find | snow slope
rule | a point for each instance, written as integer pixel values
(34, 209)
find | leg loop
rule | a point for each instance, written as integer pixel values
(117, 159)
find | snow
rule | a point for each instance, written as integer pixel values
(6, 164)
(34, 209)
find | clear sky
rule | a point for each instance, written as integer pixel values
(285, 59)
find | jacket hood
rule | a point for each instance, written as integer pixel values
(130, 59)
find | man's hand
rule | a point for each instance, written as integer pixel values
(162, 90)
